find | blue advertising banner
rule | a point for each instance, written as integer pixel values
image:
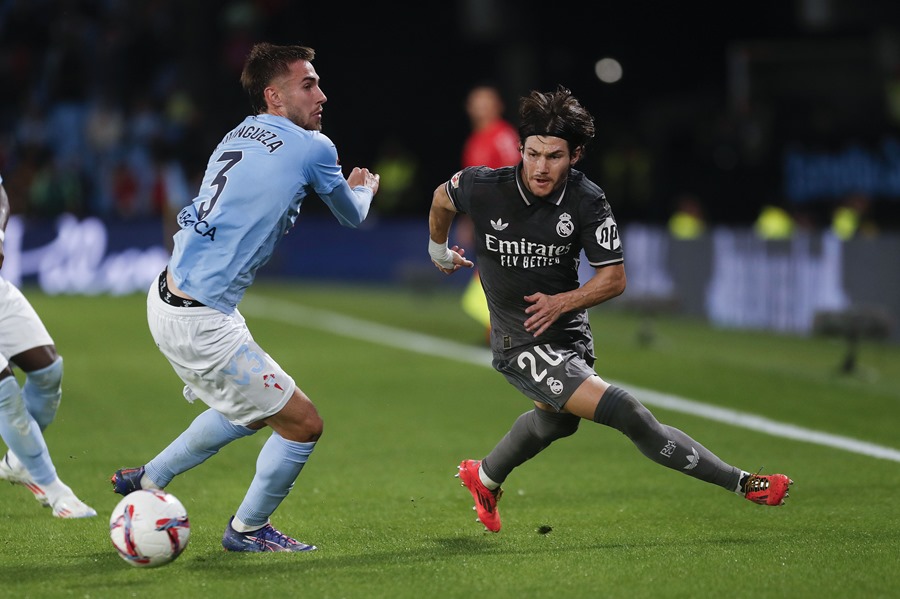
(729, 276)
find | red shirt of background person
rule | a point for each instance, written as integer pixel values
(493, 142)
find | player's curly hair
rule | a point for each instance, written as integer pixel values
(558, 114)
(266, 62)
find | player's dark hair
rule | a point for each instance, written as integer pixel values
(266, 62)
(558, 114)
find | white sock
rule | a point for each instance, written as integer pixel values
(739, 490)
(241, 527)
(146, 483)
(486, 481)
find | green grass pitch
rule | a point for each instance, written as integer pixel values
(589, 517)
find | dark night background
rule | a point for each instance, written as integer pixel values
(712, 95)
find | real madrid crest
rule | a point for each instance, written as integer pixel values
(565, 227)
(556, 386)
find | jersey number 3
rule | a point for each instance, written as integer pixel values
(220, 181)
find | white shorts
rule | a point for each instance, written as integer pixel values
(218, 360)
(21, 328)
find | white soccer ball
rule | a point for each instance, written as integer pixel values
(149, 528)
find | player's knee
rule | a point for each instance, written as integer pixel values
(303, 430)
(550, 426)
(43, 391)
(49, 378)
(621, 411)
(314, 428)
(298, 420)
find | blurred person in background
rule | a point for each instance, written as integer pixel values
(531, 223)
(399, 169)
(169, 192)
(851, 217)
(26, 411)
(255, 183)
(774, 223)
(688, 220)
(494, 143)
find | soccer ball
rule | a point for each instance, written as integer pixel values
(149, 528)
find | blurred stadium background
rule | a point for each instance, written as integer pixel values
(776, 127)
(772, 118)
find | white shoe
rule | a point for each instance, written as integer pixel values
(13, 471)
(69, 506)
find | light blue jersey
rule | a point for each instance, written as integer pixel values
(251, 194)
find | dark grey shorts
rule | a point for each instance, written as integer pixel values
(547, 373)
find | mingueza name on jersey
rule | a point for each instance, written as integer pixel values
(525, 254)
(263, 136)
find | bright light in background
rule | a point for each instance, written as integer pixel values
(608, 70)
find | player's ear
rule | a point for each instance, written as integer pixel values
(272, 96)
(576, 154)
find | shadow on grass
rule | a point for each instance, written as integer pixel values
(439, 549)
(106, 570)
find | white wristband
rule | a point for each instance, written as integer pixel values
(2, 235)
(440, 253)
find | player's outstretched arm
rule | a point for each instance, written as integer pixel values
(362, 177)
(350, 203)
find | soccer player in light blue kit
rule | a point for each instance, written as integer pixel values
(255, 183)
(26, 411)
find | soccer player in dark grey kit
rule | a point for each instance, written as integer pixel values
(531, 223)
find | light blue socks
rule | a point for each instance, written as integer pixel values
(277, 467)
(207, 434)
(22, 434)
(42, 392)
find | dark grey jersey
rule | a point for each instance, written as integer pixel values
(526, 244)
